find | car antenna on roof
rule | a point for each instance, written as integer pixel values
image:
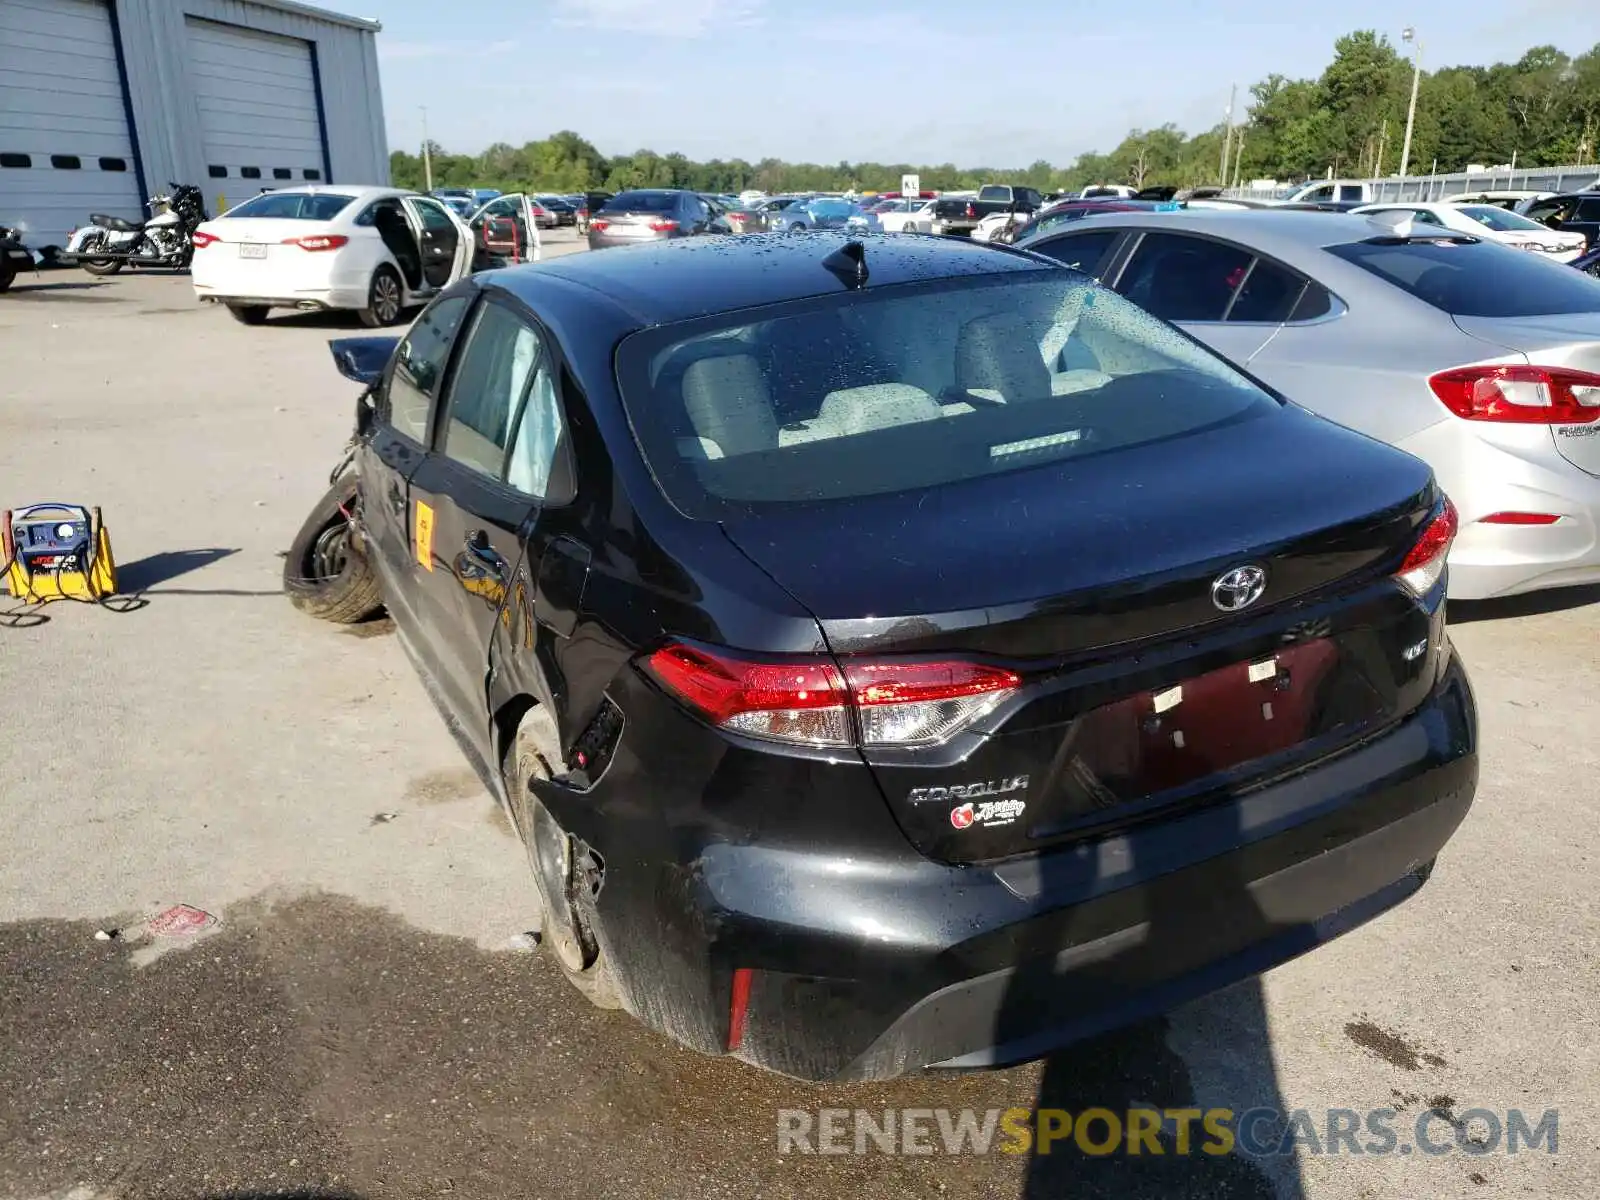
(849, 263)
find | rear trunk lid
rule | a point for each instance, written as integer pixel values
(1094, 583)
(1560, 340)
(632, 223)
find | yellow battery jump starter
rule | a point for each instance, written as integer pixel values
(57, 552)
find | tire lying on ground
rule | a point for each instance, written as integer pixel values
(325, 573)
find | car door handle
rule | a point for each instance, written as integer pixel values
(486, 556)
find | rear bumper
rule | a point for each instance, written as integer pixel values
(870, 966)
(1514, 468)
(308, 301)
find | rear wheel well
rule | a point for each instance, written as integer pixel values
(506, 720)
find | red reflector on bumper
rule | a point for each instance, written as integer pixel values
(1520, 518)
(738, 1003)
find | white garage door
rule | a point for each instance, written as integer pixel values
(257, 97)
(64, 145)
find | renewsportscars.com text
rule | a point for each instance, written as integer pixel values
(1256, 1132)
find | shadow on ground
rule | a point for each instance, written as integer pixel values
(328, 1050)
(1531, 604)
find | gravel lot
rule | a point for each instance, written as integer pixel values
(364, 1022)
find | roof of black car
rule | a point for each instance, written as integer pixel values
(660, 282)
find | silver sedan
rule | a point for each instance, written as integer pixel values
(1481, 360)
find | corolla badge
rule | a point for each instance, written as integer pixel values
(1238, 588)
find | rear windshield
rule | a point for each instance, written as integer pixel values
(912, 387)
(1499, 219)
(293, 206)
(649, 202)
(1477, 279)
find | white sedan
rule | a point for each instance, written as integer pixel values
(374, 251)
(908, 216)
(1493, 224)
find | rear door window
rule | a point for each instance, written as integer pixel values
(1589, 208)
(486, 389)
(1476, 279)
(1181, 278)
(1267, 294)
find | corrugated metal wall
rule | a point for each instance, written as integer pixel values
(155, 44)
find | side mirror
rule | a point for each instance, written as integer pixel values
(362, 359)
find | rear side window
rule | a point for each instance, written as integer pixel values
(1589, 208)
(914, 387)
(1476, 279)
(293, 206)
(1267, 294)
(1080, 251)
(419, 362)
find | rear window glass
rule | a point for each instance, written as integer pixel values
(293, 206)
(643, 202)
(1477, 279)
(910, 388)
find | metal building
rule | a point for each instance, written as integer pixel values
(103, 102)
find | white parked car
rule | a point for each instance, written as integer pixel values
(1493, 224)
(375, 251)
(908, 216)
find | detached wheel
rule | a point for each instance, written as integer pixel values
(383, 299)
(325, 574)
(567, 874)
(249, 314)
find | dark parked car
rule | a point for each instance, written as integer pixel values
(14, 257)
(561, 210)
(1588, 263)
(1575, 213)
(658, 214)
(876, 683)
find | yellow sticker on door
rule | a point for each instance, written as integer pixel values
(425, 535)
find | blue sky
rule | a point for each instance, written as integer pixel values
(924, 81)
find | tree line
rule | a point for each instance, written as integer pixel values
(1542, 110)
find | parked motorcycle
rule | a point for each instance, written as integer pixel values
(14, 257)
(107, 244)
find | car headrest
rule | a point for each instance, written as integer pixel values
(727, 402)
(999, 353)
(876, 406)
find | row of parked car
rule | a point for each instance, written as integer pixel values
(1447, 330)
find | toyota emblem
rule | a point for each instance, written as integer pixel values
(1238, 588)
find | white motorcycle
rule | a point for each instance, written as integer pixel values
(107, 244)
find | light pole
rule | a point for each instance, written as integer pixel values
(427, 154)
(1409, 34)
(1227, 137)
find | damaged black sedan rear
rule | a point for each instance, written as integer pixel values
(908, 654)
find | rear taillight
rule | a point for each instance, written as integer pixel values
(202, 240)
(599, 226)
(1525, 394)
(810, 701)
(971, 212)
(318, 241)
(1425, 564)
(662, 225)
(1520, 518)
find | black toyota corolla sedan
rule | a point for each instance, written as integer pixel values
(900, 653)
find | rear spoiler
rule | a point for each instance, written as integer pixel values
(362, 358)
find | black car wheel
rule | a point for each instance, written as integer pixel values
(325, 573)
(566, 873)
(383, 299)
(7, 274)
(796, 229)
(248, 314)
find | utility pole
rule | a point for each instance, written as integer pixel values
(1238, 159)
(427, 153)
(1383, 140)
(1409, 34)
(1227, 137)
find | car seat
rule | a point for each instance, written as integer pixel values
(729, 408)
(998, 359)
(402, 243)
